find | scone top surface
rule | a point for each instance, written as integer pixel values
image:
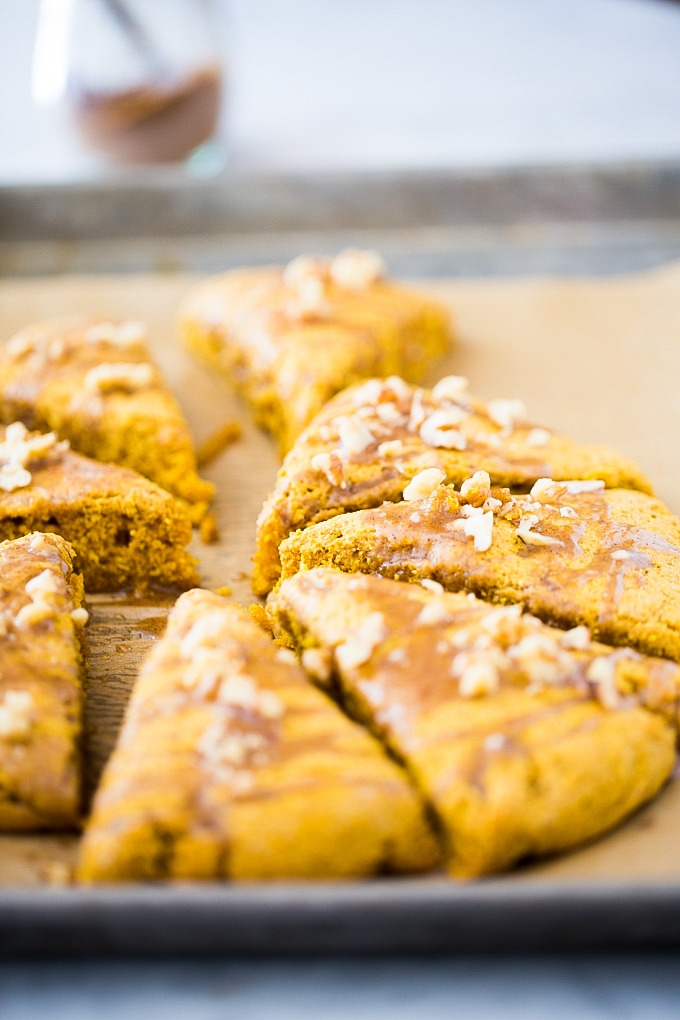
(369, 442)
(40, 693)
(291, 337)
(573, 553)
(231, 765)
(524, 739)
(94, 382)
(126, 530)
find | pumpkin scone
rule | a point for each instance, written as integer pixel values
(231, 765)
(290, 338)
(126, 531)
(368, 443)
(93, 382)
(41, 615)
(523, 740)
(572, 553)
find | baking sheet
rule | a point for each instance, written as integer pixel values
(598, 359)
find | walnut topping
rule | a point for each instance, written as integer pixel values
(13, 476)
(478, 527)
(537, 437)
(620, 554)
(304, 267)
(17, 451)
(477, 675)
(433, 612)
(389, 413)
(424, 484)
(23, 343)
(575, 488)
(355, 435)
(310, 302)
(439, 430)
(354, 269)
(451, 387)
(317, 663)
(45, 585)
(119, 375)
(507, 413)
(15, 715)
(504, 625)
(529, 537)
(541, 659)
(286, 655)
(576, 639)
(495, 742)
(602, 673)
(400, 389)
(123, 335)
(80, 617)
(477, 489)
(359, 647)
(433, 586)
(330, 464)
(567, 511)
(545, 490)
(392, 448)
(369, 393)
(418, 413)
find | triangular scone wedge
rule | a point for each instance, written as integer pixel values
(290, 338)
(523, 740)
(94, 382)
(231, 765)
(609, 559)
(370, 441)
(41, 694)
(126, 531)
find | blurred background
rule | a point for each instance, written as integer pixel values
(534, 135)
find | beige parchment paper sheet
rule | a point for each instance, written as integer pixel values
(596, 358)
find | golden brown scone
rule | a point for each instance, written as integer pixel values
(609, 558)
(126, 531)
(94, 383)
(40, 684)
(369, 442)
(524, 740)
(290, 338)
(231, 765)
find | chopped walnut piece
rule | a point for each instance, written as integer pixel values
(439, 430)
(358, 648)
(354, 269)
(418, 414)
(310, 302)
(537, 437)
(399, 388)
(389, 413)
(507, 413)
(15, 715)
(80, 617)
(392, 448)
(602, 673)
(575, 488)
(317, 663)
(355, 435)
(545, 490)
(119, 375)
(13, 476)
(450, 387)
(45, 584)
(368, 394)
(330, 464)
(424, 484)
(477, 675)
(478, 527)
(576, 639)
(124, 335)
(34, 613)
(433, 586)
(302, 268)
(495, 742)
(477, 489)
(542, 659)
(433, 612)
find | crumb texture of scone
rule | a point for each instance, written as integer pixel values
(524, 740)
(290, 338)
(41, 616)
(94, 383)
(127, 532)
(231, 765)
(608, 559)
(368, 444)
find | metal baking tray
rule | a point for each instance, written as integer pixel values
(623, 890)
